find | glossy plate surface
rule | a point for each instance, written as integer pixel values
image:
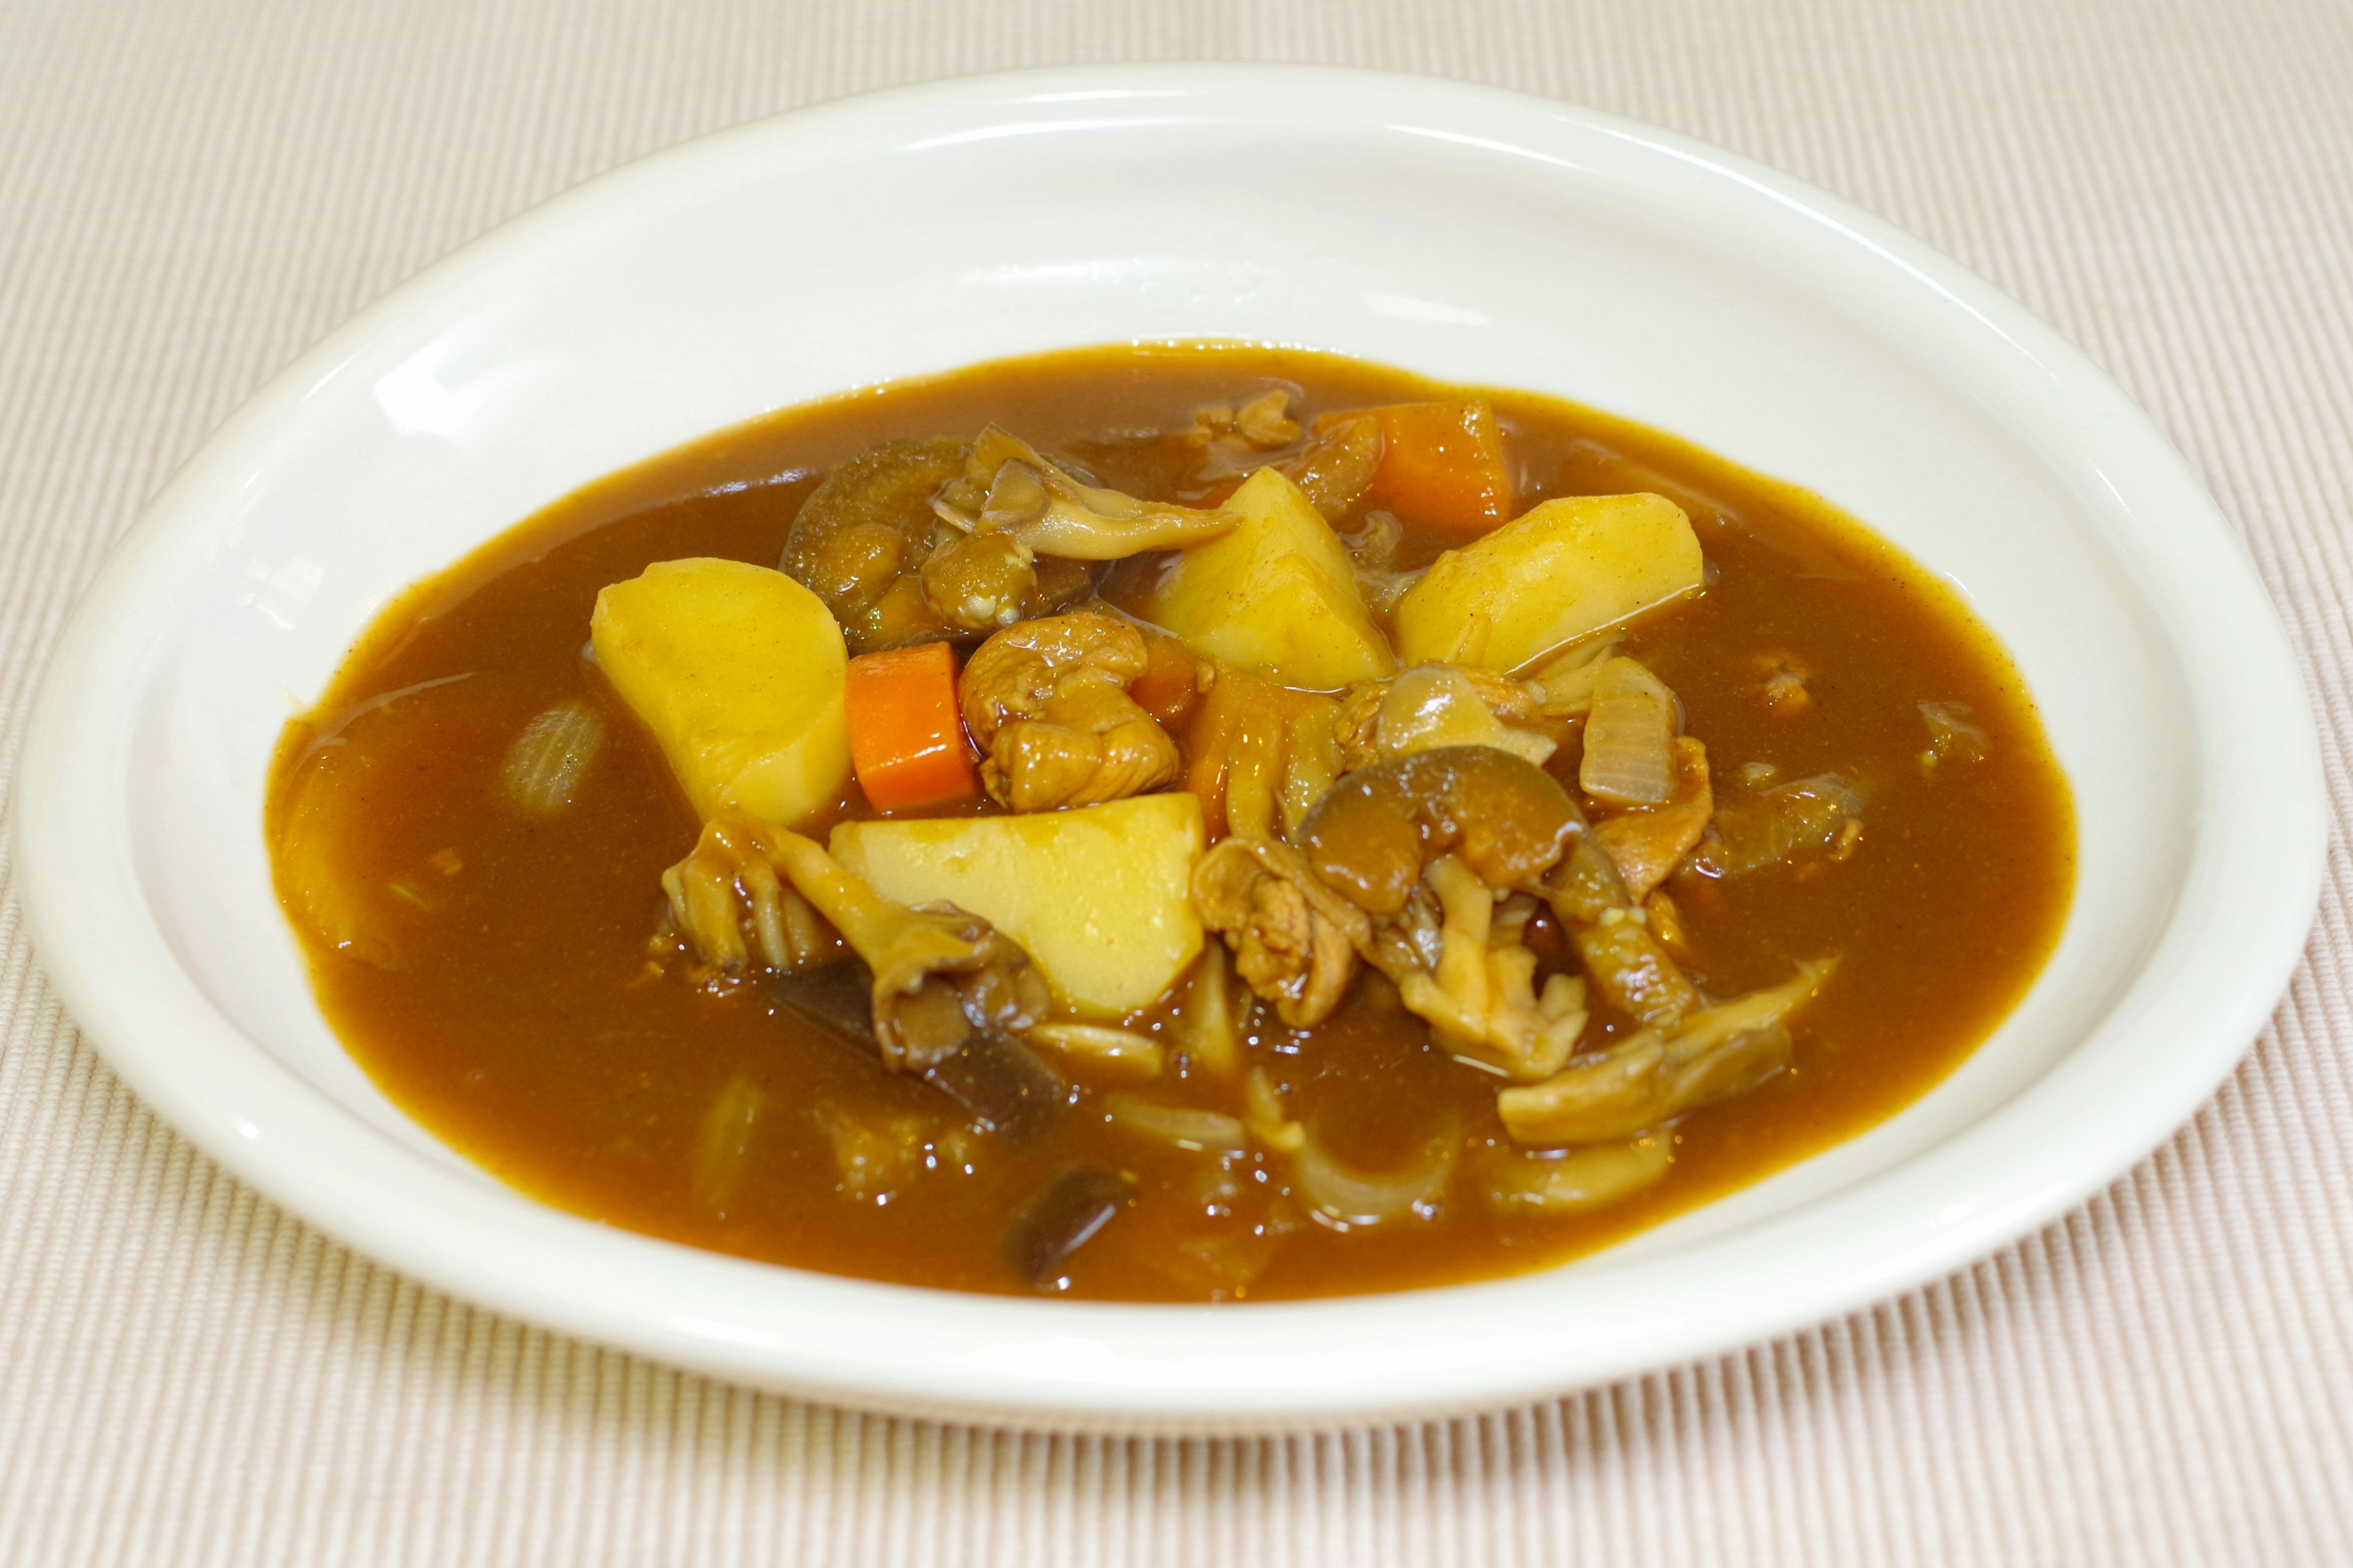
(1462, 233)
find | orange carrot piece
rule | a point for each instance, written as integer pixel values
(1442, 466)
(906, 737)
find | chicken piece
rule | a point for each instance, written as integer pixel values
(1480, 998)
(1047, 702)
(1296, 941)
(1652, 1076)
(1336, 467)
(1783, 690)
(1332, 469)
(1435, 705)
(978, 581)
(940, 974)
(1008, 488)
(1234, 441)
(1647, 845)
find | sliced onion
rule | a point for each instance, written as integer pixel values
(1629, 738)
(1435, 705)
(1206, 1025)
(1263, 1103)
(1564, 682)
(724, 1141)
(1184, 1126)
(1581, 1179)
(1951, 735)
(545, 764)
(1340, 1192)
(1121, 1051)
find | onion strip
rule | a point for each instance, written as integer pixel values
(1184, 1126)
(1122, 1051)
(1343, 1194)
(1627, 736)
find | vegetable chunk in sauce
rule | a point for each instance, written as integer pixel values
(1256, 896)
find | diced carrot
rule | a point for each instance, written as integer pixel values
(906, 737)
(1441, 466)
(1170, 684)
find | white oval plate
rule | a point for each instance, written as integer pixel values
(1468, 233)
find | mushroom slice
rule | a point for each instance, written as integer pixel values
(1009, 488)
(1819, 816)
(1047, 701)
(726, 899)
(1296, 941)
(1062, 1217)
(1628, 966)
(940, 974)
(1374, 831)
(1649, 1076)
(1611, 932)
(1480, 998)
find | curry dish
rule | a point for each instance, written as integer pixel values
(1181, 823)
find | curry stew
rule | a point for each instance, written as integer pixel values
(1178, 823)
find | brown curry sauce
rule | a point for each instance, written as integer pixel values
(494, 981)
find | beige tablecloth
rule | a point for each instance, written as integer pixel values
(191, 191)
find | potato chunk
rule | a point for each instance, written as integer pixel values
(738, 671)
(1555, 573)
(1277, 595)
(1099, 896)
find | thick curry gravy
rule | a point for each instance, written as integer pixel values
(490, 970)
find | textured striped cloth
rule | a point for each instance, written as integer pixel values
(193, 190)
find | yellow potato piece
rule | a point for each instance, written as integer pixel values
(1277, 595)
(1561, 569)
(1100, 896)
(738, 671)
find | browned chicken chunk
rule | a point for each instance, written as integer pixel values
(1047, 702)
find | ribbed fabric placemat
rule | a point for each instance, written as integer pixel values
(191, 192)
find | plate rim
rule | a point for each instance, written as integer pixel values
(223, 1104)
